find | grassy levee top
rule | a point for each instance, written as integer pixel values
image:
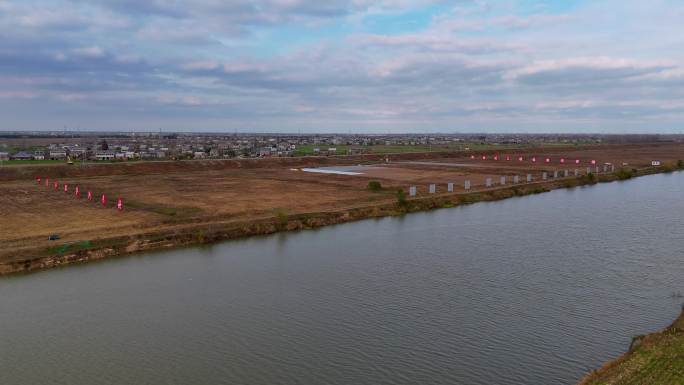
(653, 359)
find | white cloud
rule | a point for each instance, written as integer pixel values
(89, 52)
(284, 62)
(588, 63)
(201, 65)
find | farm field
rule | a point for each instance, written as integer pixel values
(398, 149)
(343, 149)
(172, 197)
(15, 163)
(163, 200)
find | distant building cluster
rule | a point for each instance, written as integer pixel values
(153, 146)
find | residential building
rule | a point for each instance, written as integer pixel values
(105, 155)
(57, 153)
(22, 156)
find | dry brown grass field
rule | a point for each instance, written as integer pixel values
(168, 196)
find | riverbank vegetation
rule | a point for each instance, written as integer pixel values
(653, 359)
(624, 174)
(374, 185)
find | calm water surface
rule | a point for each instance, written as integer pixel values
(532, 290)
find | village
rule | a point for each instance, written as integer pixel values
(82, 147)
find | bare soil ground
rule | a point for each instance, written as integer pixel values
(33, 211)
(170, 195)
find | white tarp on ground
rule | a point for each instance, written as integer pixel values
(329, 171)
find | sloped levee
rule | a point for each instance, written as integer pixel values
(652, 359)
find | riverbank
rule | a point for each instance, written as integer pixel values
(652, 359)
(189, 232)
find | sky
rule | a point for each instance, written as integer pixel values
(376, 66)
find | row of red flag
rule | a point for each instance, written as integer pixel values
(533, 158)
(77, 192)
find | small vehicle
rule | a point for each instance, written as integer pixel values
(53, 237)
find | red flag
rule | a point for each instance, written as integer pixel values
(577, 161)
(520, 158)
(593, 161)
(484, 157)
(119, 204)
(534, 159)
(548, 160)
(496, 157)
(66, 187)
(103, 200)
(56, 185)
(472, 157)
(47, 182)
(77, 192)
(508, 157)
(38, 179)
(562, 160)
(90, 195)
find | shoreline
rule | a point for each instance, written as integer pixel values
(205, 233)
(648, 359)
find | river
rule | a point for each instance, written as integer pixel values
(529, 290)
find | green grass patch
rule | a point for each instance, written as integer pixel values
(343, 149)
(374, 185)
(624, 174)
(170, 211)
(31, 162)
(282, 219)
(654, 359)
(71, 247)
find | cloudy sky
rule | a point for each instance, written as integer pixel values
(343, 66)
